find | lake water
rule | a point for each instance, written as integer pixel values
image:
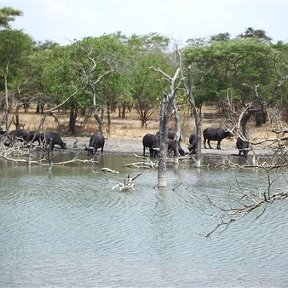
(68, 228)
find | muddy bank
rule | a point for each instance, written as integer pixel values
(134, 146)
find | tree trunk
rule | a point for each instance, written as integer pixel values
(242, 122)
(163, 135)
(123, 113)
(143, 117)
(72, 121)
(197, 119)
(16, 122)
(6, 112)
(108, 128)
(178, 132)
(198, 124)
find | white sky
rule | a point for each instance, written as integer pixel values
(63, 21)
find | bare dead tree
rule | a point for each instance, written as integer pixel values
(167, 104)
(92, 80)
(237, 212)
(187, 81)
(242, 201)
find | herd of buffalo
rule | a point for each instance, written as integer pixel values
(48, 140)
(151, 142)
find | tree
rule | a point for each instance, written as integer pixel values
(101, 63)
(7, 14)
(195, 110)
(167, 104)
(220, 37)
(147, 51)
(60, 79)
(145, 85)
(278, 97)
(15, 47)
(227, 73)
(256, 34)
(242, 201)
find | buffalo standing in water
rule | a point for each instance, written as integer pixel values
(242, 145)
(17, 135)
(193, 142)
(172, 148)
(215, 134)
(151, 141)
(52, 138)
(97, 140)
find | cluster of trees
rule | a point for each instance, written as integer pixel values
(95, 75)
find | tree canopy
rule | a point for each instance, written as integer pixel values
(7, 14)
(114, 70)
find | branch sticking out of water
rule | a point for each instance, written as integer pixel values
(128, 183)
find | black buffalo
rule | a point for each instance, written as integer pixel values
(193, 143)
(215, 134)
(172, 135)
(151, 142)
(53, 138)
(17, 135)
(96, 141)
(35, 136)
(172, 148)
(243, 146)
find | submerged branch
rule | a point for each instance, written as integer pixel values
(128, 183)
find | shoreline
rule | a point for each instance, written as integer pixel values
(117, 146)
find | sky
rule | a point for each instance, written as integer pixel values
(64, 21)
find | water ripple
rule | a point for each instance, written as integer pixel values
(69, 229)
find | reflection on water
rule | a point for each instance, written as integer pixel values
(70, 229)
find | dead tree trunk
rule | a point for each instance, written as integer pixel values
(167, 102)
(197, 117)
(163, 136)
(92, 79)
(244, 117)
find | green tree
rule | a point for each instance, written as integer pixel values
(61, 82)
(7, 14)
(15, 47)
(37, 62)
(148, 51)
(101, 63)
(146, 87)
(220, 37)
(230, 71)
(255, 34)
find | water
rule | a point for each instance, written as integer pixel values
(68, 228)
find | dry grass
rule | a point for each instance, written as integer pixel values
(130, 128)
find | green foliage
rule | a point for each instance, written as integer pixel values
(15, 47)
(119, 70)
(147, 52)
(59, 77)
(102, 64)
(7, 14)
(146, 84)
(148, 42)
(256, 34)
(235, 67)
